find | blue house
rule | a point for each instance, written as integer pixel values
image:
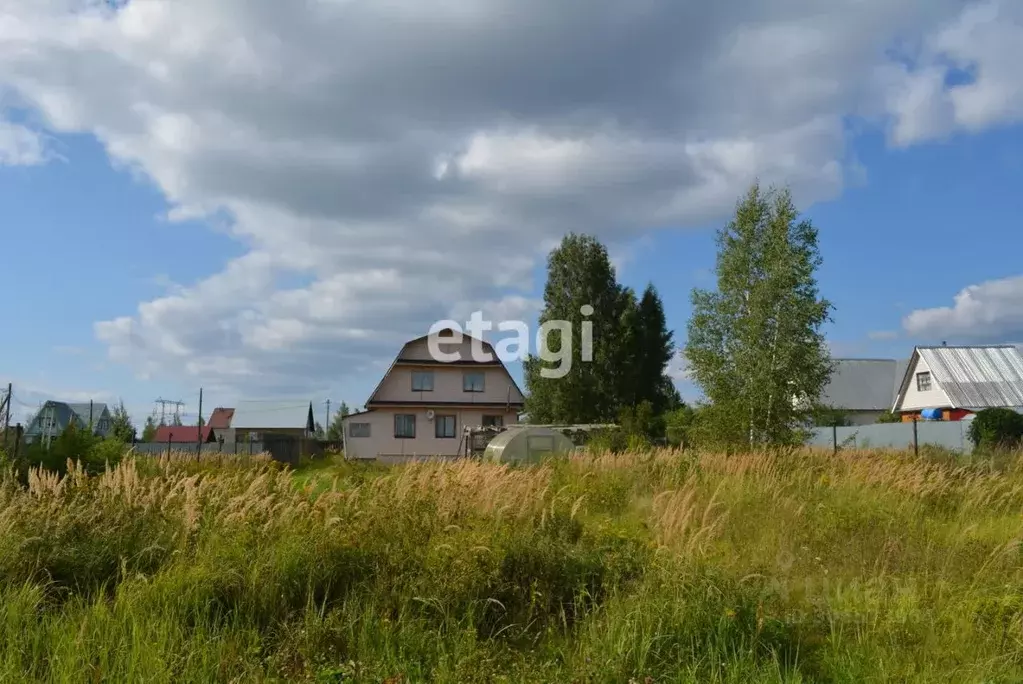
(54, 417)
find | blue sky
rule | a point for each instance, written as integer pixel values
(309, 250)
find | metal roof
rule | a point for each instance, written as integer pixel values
(273, 415)
(977, 377)
(863, 384)
(220, 419)
(82, 411)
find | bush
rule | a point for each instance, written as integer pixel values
(997, 428)
(76, 445)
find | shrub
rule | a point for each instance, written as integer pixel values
(998, 428)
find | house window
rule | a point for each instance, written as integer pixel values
(358, 429)
(923, 382)
(422, 381)
(493, 421)
(444, 426)
(472, 382)
(405, 426)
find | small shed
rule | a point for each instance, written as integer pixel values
(527, 445)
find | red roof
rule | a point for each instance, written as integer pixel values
(220, 419)
(181, 434)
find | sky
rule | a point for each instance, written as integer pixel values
(266, 199)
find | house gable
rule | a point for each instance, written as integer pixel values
(914, 394)
(969, 377)
(445, 378)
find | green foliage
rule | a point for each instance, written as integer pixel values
(679, 425)
(826, 416)
(149, 429)
(121, 427)
(631, 346)
(889, 417)
(755, 344)
(76, 445)
(579, 273)
(607, 441)
(646, 567)
(642, 421)
(996, 428)
(336, 430)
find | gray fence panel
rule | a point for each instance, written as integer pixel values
(157, 448)
(950, 435)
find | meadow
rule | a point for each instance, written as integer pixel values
(640, 567)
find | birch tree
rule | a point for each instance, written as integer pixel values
(755, 345)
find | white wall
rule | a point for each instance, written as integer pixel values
(383, 444)
(914, 400)
(447, 385)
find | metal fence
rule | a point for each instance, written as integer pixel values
(950, 435)
(157, 448)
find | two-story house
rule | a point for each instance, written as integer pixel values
(423, 404)
(54, 417)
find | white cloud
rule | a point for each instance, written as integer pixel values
(410, 159)
(986, 313)
(982, 49)
(20, 146)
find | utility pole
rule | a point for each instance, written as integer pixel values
(198, 436)
(326, 424)
(49, 421)
(90, 416)
(6, 408)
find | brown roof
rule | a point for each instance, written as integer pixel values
(182, 434)
(220, 419)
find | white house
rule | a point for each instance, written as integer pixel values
(423, 404)
(960, 380)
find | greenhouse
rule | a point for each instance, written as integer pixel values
(527, 445)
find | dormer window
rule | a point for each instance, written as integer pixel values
(422, 381)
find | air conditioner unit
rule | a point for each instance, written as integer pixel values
(429, 415)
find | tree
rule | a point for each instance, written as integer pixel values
(121, 427)
(889, 417)
(755, 345)
(679, 424)
(656, 349)
(149, 430)
(580, 278)
(996, 428)
(335, 432)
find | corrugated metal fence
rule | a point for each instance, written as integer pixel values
(157, 448)
(950, 435)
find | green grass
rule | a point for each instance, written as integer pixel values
(660, 567)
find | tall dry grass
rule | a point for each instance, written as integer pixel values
(758, 567)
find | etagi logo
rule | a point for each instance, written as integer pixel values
(477, 325)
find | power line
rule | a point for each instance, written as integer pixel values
(164, 403)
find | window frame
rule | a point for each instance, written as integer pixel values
(351, 432)
(482, 385)
(922, 378)
(412, 422)
(438, 419)
(422, 374)
(497, 420)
